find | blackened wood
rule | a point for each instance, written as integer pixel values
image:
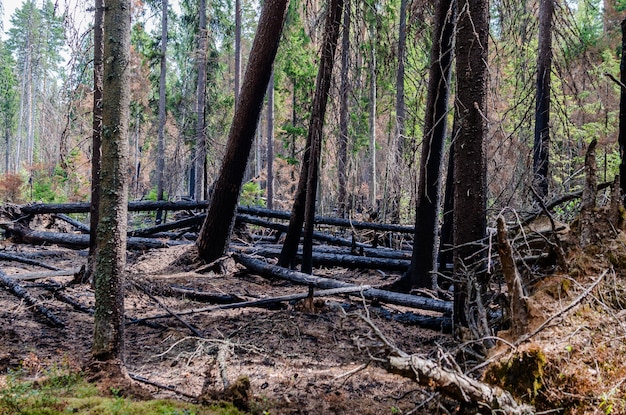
(345, 260)
(22, 234)
(390, 297)
(23, 260)
(20, 292)
(75, 223)
(215, 233)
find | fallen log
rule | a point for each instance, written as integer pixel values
(179, 224)
(390, 297)
(138, 206)
(22, 234)
(20, 292)
(329, 249)
(259, 303)
(458, 385)
(75, 223)
(192, 294)
(23, 260)
(29, 276)
(316, 235)
(344, 260)
(326, 220)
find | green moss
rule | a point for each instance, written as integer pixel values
(521, 374)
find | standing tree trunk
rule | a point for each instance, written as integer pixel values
(237, 48)
(469, 149)
(108, 343)
(324, 78)
(424, 258)
(300, 209)
(622, 116)
(214, 236)
(98, 51)
(160, 165)
(342, 157)
(372, 108)
(398, 151)
(270, 143)
(542, 110)
(200, 150)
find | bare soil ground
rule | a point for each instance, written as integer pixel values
(324, 358)
(321, 360)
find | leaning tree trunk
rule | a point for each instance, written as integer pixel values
(98, 51)
(324, 78)
(469, 149)
(200, 148)
(108, 344)
(160, 165)
(424, 259)
(313, 144)
(542, 110)
(214, 236)
(622, 115)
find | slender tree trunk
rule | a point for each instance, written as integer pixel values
(215, 232)
(397, 157)
(424, 258)
(372, 108)
(542, 112)
(160, 167)
(622, 115)
(108, 341)
(200, 161)
(300, 210)
(324, 78)
(342, 157)
(270, 143)
(469, 149)
(98, 52)
(237, 48)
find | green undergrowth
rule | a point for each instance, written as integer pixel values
(63, 392)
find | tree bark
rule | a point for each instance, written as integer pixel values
(324, 78)
(160, 161)
(108, 344)
(200, 148)
(342, 156)
(425, 242)
(622, 117)
(270, 143)
(214, 236)
(373, 293)
(541, 148)
(98, 52)
(588, 202)
(518, 300)
(469, 149)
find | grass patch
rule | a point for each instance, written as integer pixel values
(60, 391)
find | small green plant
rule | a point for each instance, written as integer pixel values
(252, 195)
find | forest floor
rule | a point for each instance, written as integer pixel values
(325, 358)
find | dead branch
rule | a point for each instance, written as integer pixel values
(449, 381)
(23, 260)
(166, 308)
(160, 385)
(77, 224)
(518, 300)
(391, 297)
(20, 292)
(259, 303)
